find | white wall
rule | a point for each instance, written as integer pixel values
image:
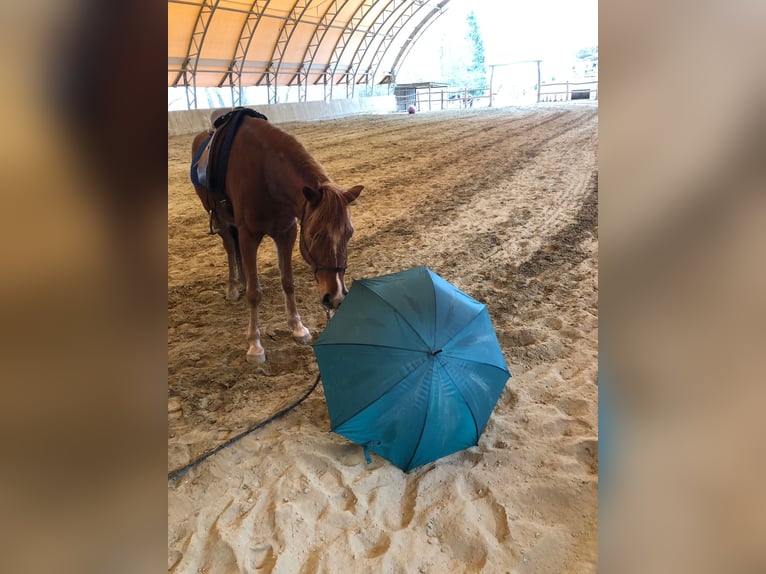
(193, 121)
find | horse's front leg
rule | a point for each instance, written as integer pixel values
(248, 244)
(285, 243)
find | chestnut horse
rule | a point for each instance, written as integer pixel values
(271, 184)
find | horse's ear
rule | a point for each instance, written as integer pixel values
(313, 196)
(352, 194)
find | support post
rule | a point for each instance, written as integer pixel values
(491, 77)
(538, 81)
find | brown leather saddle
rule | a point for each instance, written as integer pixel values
(211, 159)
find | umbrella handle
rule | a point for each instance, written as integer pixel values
(366, 446)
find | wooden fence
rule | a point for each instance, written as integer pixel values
(563, 91)
(429, 99)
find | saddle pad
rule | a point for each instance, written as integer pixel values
(211, 160)
(199, 176)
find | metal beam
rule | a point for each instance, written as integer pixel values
(340, 46)
(416, 34)
(226, 8)
(188, 71)
(280, 46)
(371, 35)
(399, 24)
(312, 48)
(246, 35)
(376, 40)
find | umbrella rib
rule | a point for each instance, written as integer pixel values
(425, 420)
(376, 399)
(462, 396)
(395, 310)
(436, 315)
(482, 363)
(375, 345)
(478, 314)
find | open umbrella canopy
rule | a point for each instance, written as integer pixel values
(411, 367)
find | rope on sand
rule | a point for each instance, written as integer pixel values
(179, 471)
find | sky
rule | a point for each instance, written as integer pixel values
(551, 30)
(529, 29)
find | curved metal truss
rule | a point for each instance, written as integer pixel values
(312, 48)
(375, 37)
(291, 43)
(188, 72)
(415, 35)
(246, 36)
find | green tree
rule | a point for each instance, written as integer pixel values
(590, 53)
(477, 70)
(588, 60)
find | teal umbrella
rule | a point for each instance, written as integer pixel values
(411, 367)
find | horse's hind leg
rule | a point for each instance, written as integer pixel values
(240, 267)
(285, 243)
(248, 244)
(236, 274)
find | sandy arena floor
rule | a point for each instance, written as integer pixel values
(503, 204)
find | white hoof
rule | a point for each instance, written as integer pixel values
(303, 337)
(256, 358)
(232, 294)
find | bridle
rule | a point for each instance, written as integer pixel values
(305, 250)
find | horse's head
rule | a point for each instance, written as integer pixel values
(324, 235)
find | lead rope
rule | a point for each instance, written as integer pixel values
(179, 471)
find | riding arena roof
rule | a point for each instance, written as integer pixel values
(344, 46)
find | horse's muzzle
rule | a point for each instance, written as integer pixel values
(332, 302)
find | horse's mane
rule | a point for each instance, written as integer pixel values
(331, 211)
(302, 161)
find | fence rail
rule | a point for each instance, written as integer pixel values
(571, 91)
(429, 99)
(442, 99)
